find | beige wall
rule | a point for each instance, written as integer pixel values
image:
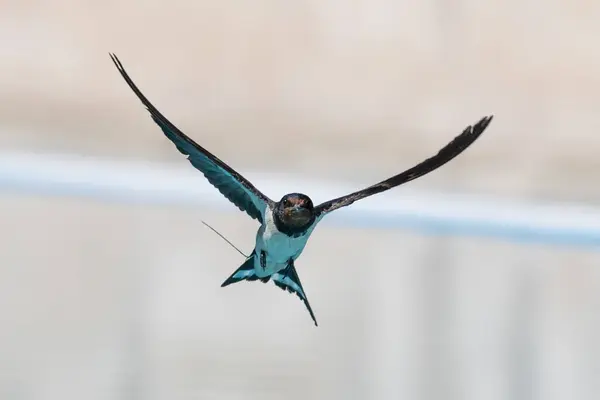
(300, 85)
(107, 301)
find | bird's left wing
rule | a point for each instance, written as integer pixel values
(230, 183)
(451, 150)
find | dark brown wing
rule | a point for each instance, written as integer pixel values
(230, 183)
(451, 150)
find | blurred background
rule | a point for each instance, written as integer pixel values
(121, 299)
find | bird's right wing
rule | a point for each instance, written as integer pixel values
(230, 183)
(447, 153)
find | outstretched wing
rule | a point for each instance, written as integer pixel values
(451, 150)
(231, 184)
(287, 279)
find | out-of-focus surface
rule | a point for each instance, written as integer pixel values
(306, 85)
(109, 301)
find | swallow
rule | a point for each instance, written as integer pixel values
(285, 225)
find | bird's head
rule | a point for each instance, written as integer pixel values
(295, 210)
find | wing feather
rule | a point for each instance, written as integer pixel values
(230, 183)
(447, 153)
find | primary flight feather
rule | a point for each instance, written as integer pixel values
(286, 224)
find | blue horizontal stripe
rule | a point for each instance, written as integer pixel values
(144, 183)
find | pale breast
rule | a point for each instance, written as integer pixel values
(279, 247)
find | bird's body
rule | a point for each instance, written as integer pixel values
(278, 247)
(287, 224)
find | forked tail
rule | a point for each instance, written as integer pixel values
(286, 279)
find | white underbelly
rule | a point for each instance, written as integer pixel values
(279, 247)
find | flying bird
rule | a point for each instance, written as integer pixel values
(285, 225)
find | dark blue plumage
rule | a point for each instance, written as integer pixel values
(230, 183)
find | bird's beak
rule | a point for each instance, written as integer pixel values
(297, 214)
